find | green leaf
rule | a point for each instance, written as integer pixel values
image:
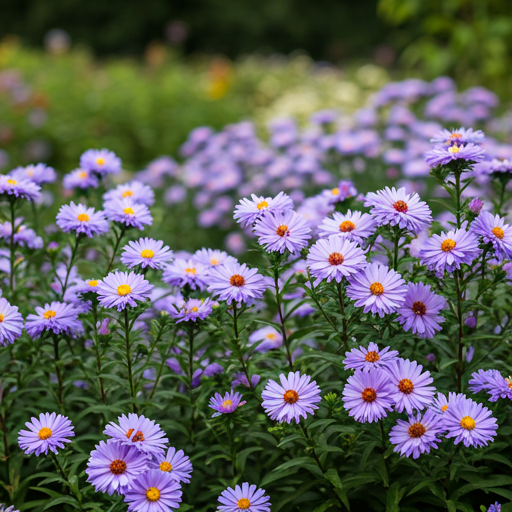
(63, 499)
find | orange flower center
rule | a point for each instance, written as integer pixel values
(45, 433)
(376, 289)
(454, 149)
(416, 430)
(153, 494)
(127, 193)
(129, 433)
(467, 423)
(1, 318)
(261, 205)
(291, 396)
(282, 230)
(243, 504)
(100, 161)
(401, 206)
(139, 436)
(444, 408)
(93, 283)
(369, 395)
(406, 386)
(165, 466)
(371, 357)
(237, 280)
(418, 308)
(336, 258)
(227, 403)
(83, 217)
(190, 271)
(214, 261)
(83, 174)
(49, 314)
(335, 191)
(347, 226)
(498, 232)
(448, 245)
(118, 467)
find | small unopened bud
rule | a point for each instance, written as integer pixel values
(103, 327)
(476, 205)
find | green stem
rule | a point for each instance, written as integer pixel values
(58, 371)
(283, 328)
(239, 346)
(460, 330)
(65, 477)
(129, 358)
(119, 237)
(344, 334)
(97, 349)
(74, 252)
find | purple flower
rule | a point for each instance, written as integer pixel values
(192, 310)
(146, 252)
(367, 395)
(38, 173)
(135, 190)
(469, 422)
(344, 190)
(296, 396)
(153, 491)
(248, 497)
(226, 405)
(476, 205)
(335, 258)
(250, 210)
(448, 251)
(138, 431)
(493, 230)
(80, 178)
(114, 466)
(128, 213)
(470, 321)
(103, 329)
(25, 189)
(49, 432)
(462, 135)
(378, 288)
(240, 378)
(440, 404)
(11, 323)
(397, 208)
(492, 508)
(176, 464)
(370, 358)
(268, 336)
(100, 161)
(57, 317)
(443, 154)
(493, 383)
(120, 289)
(185, 272)
(355, 226)
(411, 389)
(419, 312)
(417, 435)
(82, 220)
(212, 369)
(212, 257)
(283, 231)
(239, 283)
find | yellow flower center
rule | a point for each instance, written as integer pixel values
(237, 280)
(194, 309)
(129, 211)
(93, 283)
(190, 271)
(153, 494)
(448, 245)
(214, 261)
(417, 430)
(455, 135)
(100, 161)
(123, 290)
(347, 226)
(372, 356)
(49, 314)
(467, 423)
(336, 258)
(291, 396)
(369, 395)
(127, 193)
(165, 466)
(271, 336)
(498, 232)
(12, 182)
(82, 217)
(118, 467)
(227, 403)
(1, 318)
(83, 174)
(30, 173)
(454, 149)
(444, 408)
(376, 289)
(45, 433)
(147, 253)
(243, 503)
(262, 204)
(406, 386)
(509, 382)
(335, 191)
(282, 230)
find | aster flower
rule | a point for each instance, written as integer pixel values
(80, 178)
(420, 311)
(378, 288)
(135, 190)
(294, 397)
(461, 135)
(57, 317)
(268, 336)
(38, 173)
(185, 272)
(12, 509)
(417, 435)
(444, 154)
(153, 491)
(11, 323)
(176, 464)
(82, 220)
(226, 405)
(493, 383)
(476, 205)
(241, 378)
(23, 236)
(239, 283)
(344, 190)
(496, 507)
(410, 386)
(120, 289)
(367, 395)
(335, 258)
(114, 466)
(192, 310)
(440, 403)
(100, 161)
(397, 208)
(49, 432)
(448, 251)
(247, 497)
(138, 431)
(128, 213)
(370, 358)
(283, 231)
(250, 210)
(355, 226)
(212, 257)
(24, 189)
(146, 252)
(469, 422)
(492, 229)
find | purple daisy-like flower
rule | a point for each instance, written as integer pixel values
(367, 395)
(370, 358)
(38, 173)
(12, 509)
(250, 210)
(212, 257)
(462, 135)
(247, 497)
(283, 231)
(82, 220)
(100, 161)
(440, 403)
(192, 310)
(146, 252)
(420, 311)
(378, 288)
(239, 283)
(49, 432)
(185, 272)
(444, 154)
(417, 435)
(114, 466)
(227, 404)
(492, 229)
(355, 226)
(493, 383)
(268, 336)
(128, 213)
(448, 251)
(294, 397)
(153, 491)
(496, 507)
(24, 189)
(57, 317)
(176, 464)
(120, 289)
(80, 178)
(398, 208)
(138, 431)
(135, 190)
(335, 258)
(411, 388)
(11, 323)
(469, 422)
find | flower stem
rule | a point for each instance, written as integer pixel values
(98, 356)
(281, 318)
(239, 346)
(65, 477)
(129, 358)
(74, 252)
(119, 237)
(58, 371)
(459, 335)
(344, 334)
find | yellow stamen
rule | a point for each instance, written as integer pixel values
(1, 318)
(49, 314)
(45, 433)
(372, 356)
(369, 395)
(444, 408)
(448, 245)
(83, 174)
(406, 386)
(262, 204)
(453, 149)
(335, 191)
(147, 253)
(100, 161)
(346, 226)
(129, 211)
(282, 230)
(243, 503)
(153, 494)
(498, 232)
(416, 430)
(467, 423)
(12, 182)
(271, 336)
(291, 396)
(376, 289)
(214, 261)
(165, 466)
(227, 403)
(190, 271)
(93, 283)
(194, 309)
(127, 193)
(83, 217)
(123, 290)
